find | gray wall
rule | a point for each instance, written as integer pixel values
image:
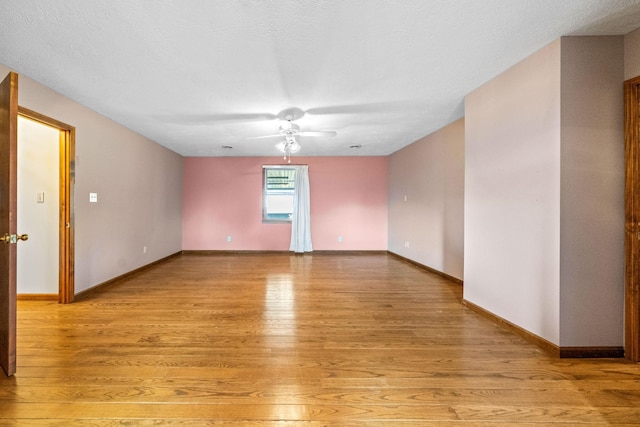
(632, 55)
(592, 192)
(426, 200)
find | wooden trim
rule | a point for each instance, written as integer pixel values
(591, 352)
(37, 297)
(121, 278)
(632, 219)
(67, 141)
(354, 252)
(67, 217)
(49, 121)
(224, 252)
(547, 346)
(263, 252)
(429, 269)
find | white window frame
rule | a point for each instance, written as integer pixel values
(266, 193)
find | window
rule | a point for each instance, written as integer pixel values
(278, 185)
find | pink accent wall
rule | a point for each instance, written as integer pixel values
(222, 196)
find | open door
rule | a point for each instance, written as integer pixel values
(8, 232)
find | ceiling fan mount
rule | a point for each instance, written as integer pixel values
(289, 129)
(291, 114)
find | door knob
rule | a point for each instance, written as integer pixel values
(13, 238)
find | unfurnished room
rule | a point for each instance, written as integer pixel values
(320, 213)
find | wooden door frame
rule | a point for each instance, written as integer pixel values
(632, 218)
(66, 284)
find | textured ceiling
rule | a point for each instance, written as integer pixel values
(199, 75)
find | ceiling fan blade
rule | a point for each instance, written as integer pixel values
(248, 117)
(372, 107)
(217, 118)
(266, 136)
(319, 133)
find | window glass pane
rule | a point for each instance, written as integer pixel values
(279, 206)
(280, 179)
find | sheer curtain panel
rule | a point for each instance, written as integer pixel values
(301, 219)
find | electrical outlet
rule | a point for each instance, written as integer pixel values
(144, 249)
(406, 244)
(340, 239)
(228, 238)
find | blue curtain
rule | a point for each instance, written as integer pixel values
(301, 220)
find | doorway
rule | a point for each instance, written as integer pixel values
(38, 205)
(47, 173)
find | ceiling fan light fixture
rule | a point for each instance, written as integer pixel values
(288, 147)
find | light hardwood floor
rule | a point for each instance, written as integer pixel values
(280, 340)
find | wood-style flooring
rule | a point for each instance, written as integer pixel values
(284, 340)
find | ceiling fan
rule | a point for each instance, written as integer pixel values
(287, 129)
(289, 114)
(290, 131)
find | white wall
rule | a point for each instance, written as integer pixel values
(38, 172)
(592, 192)
(430, 173)
(512, 194)
(139, 186)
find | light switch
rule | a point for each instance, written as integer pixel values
(40, 197)
(93, 197)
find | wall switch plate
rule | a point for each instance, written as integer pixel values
(93, 197)
(40, 197)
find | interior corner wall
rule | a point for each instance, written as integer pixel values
(223, 197)
(544, 193)
(512, 194)
(426, 201)
(592, 192)
(139, 187)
